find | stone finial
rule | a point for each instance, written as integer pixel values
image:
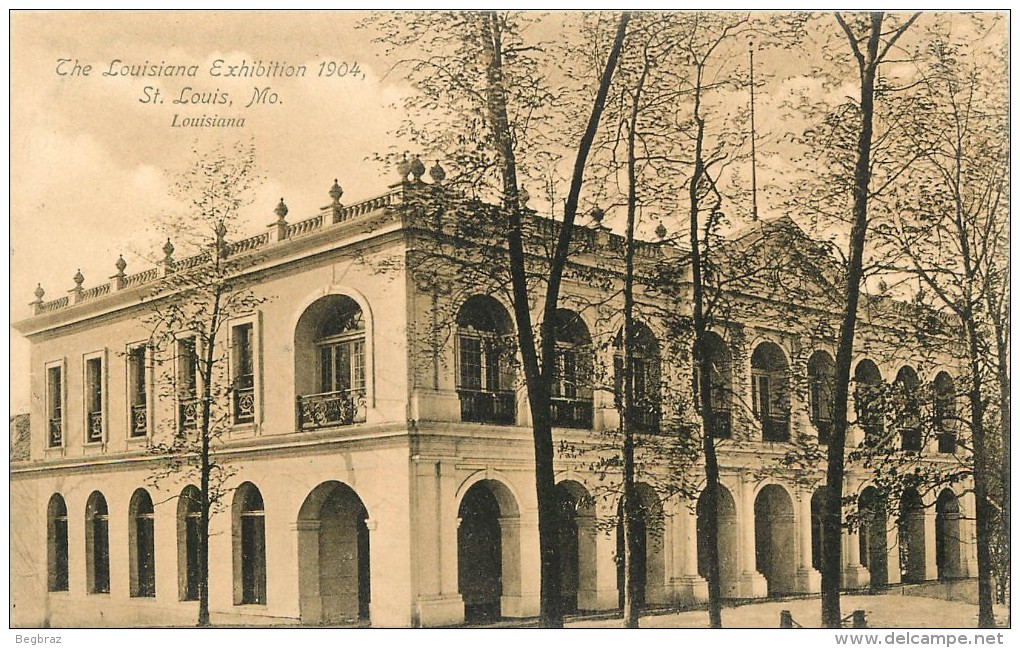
(79, 279)
(660, 231)
(120, 264)
(39, 293)
(417, 168)
(168, 250)
(523, 197)
(437, 173)
(281, 211)
(336, 192)
(597, 214)
(404, 167)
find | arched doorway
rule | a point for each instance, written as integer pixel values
(487, 563)
(770, 391)
(775, 538)
(576, 542)
(911, 536)
(947, 535)
(871, 536)
(649, 567)
(727, 542)
(333, 556)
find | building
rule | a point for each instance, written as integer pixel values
(382, 446)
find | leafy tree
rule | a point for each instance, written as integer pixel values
(187, 318)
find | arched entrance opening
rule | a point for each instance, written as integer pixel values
(770, 391)
(647, 527)
(488, 563)
(576, 542)
(775, 539)
(911, 536)
(726, 542)
(871, 536)
(334, 577)
(947, 535)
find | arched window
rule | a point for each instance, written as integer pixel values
(869, 401)
(907, 408)
(56, 544)
(572, 395)
(484, 352)
(945, 412)
(249, 546)
(644, 410)
(770, 392)
(330, 366)
(97, 544)
(821, 370)
(189, 543)
(141, 545)
(721, 382)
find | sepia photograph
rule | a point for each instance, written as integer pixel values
(511, 319)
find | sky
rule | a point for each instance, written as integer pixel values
(92, 154)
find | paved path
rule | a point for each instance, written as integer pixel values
(883, 610)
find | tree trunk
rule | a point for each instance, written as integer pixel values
(710, 501)
(832, 518)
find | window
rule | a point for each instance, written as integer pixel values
(55, 406)
(907, 408)
(138, 425)
(331, 370)
(189, 513)
(869, 401)
(719, 395)
(821, 370)
(770, 399)
(249, 546)
(56, 544)
(94, 400)
(643, 409)
(187, 383)
(945, 413)
(141, 545)
(572, 396)
(242, 361)
(484, 354)
(97, 545)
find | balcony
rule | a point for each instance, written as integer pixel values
(487, 407)
(139, 420)
(188, 413)
(824, 428)
(329, 409)
(910, 439)
(95, 433)
(721, 424)
(644, 418)
(56, 429)
(947, 442)
(244, 405)
(571, 413)
(775, 428)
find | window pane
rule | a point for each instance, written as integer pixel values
(470, 363)
(326, 369)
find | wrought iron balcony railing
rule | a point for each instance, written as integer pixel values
(244, 405)
(947, 442)
(775, 428)
(824, 428)
(188, 413)
(95, 427)
(56, 432)
(330, 409)
(571, 412)
(139, 420)
(487, 407)
(910, 439)
(721, 424)
(644, 418)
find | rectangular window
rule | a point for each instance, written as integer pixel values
(94, 399)
(761, 396)
(137, 392)
(243, 371)
(187, 383)
(470, 363)
(54, 406)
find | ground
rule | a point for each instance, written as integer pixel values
(891, 610)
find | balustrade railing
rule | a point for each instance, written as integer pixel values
(330, 409)
(910, 439)
(95, 432)
(644, 418)
(56, 430)
(139, 420)
(824, 428)
(188, 413)
(487, 407)
(947, 442)
(244, 405)
(722, 424)
(775, 428)
(571, 412)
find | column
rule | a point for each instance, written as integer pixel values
(968, 537)
(892, 552)
(521, 566)
(439, 601)
(688, 586)
(309, 598)
(931, 570)
(855, 575)
(752, 584)
(598, 593)
(808, 578)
